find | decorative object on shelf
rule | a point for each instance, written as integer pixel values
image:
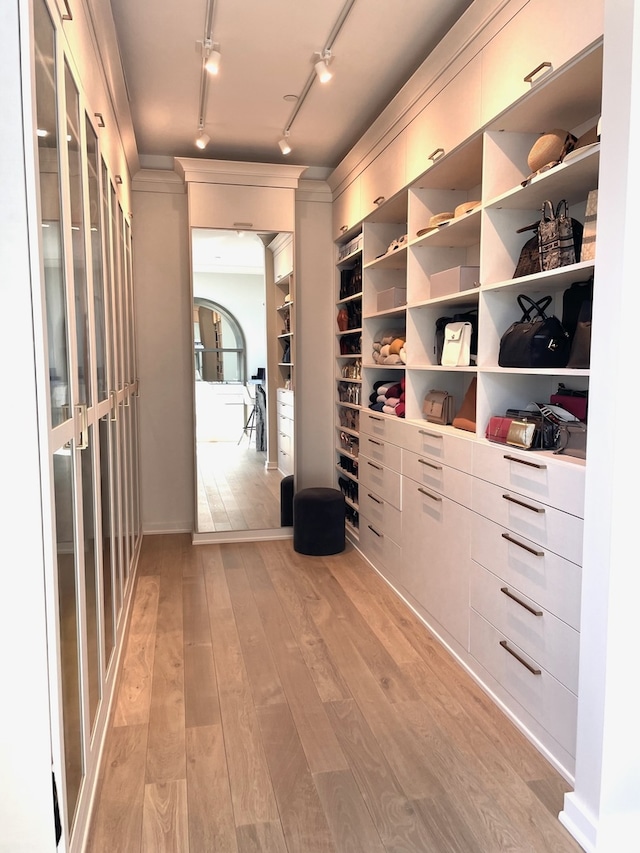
(577, 303)
(559, 236)
(572, 440)
(343, 320)
(580, 354)
(536, 340)
(576, 402)
(498, 429)
(436, 221)
(556, 243)
(438, 407)
(456, 349)
(466, 415)
(464, 208)
(588, 251)
(548, 151)
(453, 280)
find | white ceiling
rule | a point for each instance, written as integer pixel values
(267, 49)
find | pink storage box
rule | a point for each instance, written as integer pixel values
(395, 297)
(454, 280)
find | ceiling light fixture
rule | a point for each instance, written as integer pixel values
(211, 53)
(322, 65)
(320, 69)
(284, 143)
(202, 140)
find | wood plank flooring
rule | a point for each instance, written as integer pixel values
(271, 702)
(235, 490)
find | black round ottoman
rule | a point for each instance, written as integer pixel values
(318, 522)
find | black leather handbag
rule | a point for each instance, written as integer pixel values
(536, 340)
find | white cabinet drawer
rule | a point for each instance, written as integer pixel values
(285, 425)
(238, 206)
(285, 410)
(539, 693)
(439, 444)
(285, 443)
(379, 548)
(446, 121)
(527, 42)
(285, 462)
(380, 480)
(526, 516)
(385, 517)
(556, 482)
(436, 557)
(346, 209)
(380, 451)
(523, 621)
(447, 481)
(384, 176)
(382, 426)
(542, 576)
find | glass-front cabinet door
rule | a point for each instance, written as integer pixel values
(87, 304)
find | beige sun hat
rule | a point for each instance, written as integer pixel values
(550, 148)
(465, 207)
(435, 221)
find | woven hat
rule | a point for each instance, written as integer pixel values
(550, 148)
(465, 207)
(435, 221)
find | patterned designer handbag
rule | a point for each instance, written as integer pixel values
(559, 237)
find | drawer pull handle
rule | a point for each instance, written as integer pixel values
(436, 154)
(100, 118)
(523, 546)
(377, 467)
(243, 224)
(378, 200)
(68, 15)
(373, 441)
(524, 663)
(429, 495)
(539, 509)
(509, 594)
(430, 464)
(429, 434)
(532, 74)
(525, 462)
(344, 228)
(373, 530)
(374, 498)
(373, 418)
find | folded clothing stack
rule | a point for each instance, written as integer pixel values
(388, 397)
(389, 347)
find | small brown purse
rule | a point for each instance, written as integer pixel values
(438, 407)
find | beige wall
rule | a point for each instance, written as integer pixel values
(163, 320)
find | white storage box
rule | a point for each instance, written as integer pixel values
(454, 280)
(395, 297)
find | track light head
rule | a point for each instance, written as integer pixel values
(284, 143)
(211, 54)
(202, 140)
(322, 66)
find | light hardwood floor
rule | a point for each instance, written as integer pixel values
(235, 490)
(275, 702)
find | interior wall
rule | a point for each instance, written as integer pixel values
(164, 324)
(314, 336)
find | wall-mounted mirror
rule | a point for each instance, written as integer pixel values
(242, 373)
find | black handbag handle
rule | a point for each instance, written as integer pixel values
(562, 209)
(538, 307)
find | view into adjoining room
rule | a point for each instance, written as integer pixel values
(238, 481)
